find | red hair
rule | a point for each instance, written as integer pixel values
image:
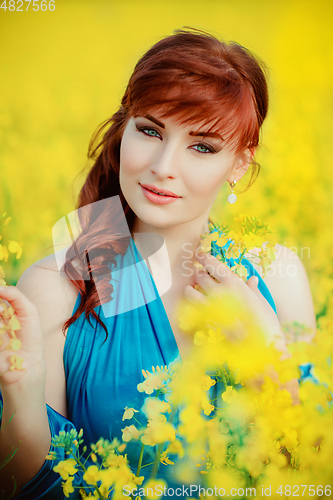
(191, 75)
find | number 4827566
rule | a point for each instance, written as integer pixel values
(21, 5)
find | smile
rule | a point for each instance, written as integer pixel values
(159, 198)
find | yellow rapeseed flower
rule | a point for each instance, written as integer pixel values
(3, 253)
(128, 414)
(154, 406)
(15, 247)
(67, 487)
(14, 344)
(16, 363)
(158, 430)
(154, 488)
(66, 468)
(91, 475)
(229, 394)
(130, 432)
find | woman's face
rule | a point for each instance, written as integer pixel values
(162, 154)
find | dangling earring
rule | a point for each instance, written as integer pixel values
(232, 198)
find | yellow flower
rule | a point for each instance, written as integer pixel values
(107, 476)
(157, 431)
(252, 240)
(137, 480)
(3, 253)
(13, 323)
(130, 432)
(116, 461)
(14, 344)
(154, 381)
(206, 242)
(208, 382)
(289, 439)
(129, 412)
(207, 408)
(200, 337)
(66, 468)
(16, 363)
(164, 459)
(229, 395)
(240, 270)
(15, 247)
(68, 486)
(241, 218)
(153, 407)
(91, 476)
(222, 240)
(176, 447)
(154, 488)
(192, 423)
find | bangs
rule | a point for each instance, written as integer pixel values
(226, 106)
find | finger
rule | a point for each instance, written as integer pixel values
(215, 267)
(207, 282)
(253, 283)
(193, 295)
(23, 307)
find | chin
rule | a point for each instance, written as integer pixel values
(156, 220)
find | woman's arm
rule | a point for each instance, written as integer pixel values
(288, 283)
(24, 420)
(54, 297)
(41, 302)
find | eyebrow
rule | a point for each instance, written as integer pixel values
(155, 120)
(195, 133)
(206, 134)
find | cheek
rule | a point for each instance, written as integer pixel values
(135, 156)
(128, 158)
(206, 184)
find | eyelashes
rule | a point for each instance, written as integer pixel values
(149, 129)
(151, 132)
(209, 149)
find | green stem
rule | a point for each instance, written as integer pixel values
(140, 460)
(217, 397)
(147, 465)
(242, 255)
(85, 469)
(223, 378)
(134, 418)
(156, 462)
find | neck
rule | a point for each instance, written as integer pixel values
(181, 242)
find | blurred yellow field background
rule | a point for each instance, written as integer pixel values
(64, 72)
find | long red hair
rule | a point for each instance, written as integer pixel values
(191, 75)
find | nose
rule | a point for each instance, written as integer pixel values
(165, 164)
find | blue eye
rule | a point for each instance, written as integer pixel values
(204, 149)
(151, 132)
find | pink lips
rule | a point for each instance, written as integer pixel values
(162, 199)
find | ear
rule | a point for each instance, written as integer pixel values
(242, 164)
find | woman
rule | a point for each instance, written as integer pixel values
(189, 122)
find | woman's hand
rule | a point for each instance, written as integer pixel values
(221, 279)
(32, 344)
(25, 432)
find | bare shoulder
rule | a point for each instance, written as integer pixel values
(288, 283)
(53, 294)
(54, 297)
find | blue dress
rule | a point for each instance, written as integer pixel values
(102, 376)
